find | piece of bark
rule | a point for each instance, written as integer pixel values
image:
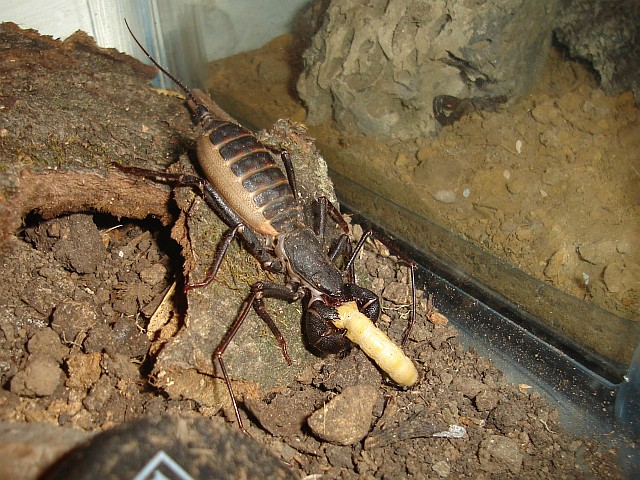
(71, 109)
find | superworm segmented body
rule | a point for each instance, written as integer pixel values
(376, 344)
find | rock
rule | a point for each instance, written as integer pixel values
(620, 277)
(506, 417)
(500, 454)
(170, 447)
(27, 449)
(71, 320)
(285, 414)
(397, 293)
(47, 341)
(346, 419)
(355, 369)
(207, 391)
(340, 457)
(442, 468)
(606, 37)
(99, 339)
(129, 339)
(74, 240)
(153, 274)
(486, 400)
(556, 264)
(121, 366)
(99, 395)
(597, 253)
(83, 369)
(79, 246)
(376, 67)
(445, 196)
(469, 387)
(40, 377)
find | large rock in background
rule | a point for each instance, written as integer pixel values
(376, 66)
(606, 33)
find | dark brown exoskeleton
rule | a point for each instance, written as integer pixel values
(251, 194)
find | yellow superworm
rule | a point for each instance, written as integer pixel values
(376, 344)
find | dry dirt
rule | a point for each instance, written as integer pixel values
(77, 294)
(78, 290)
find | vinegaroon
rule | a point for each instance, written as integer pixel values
(251, 194)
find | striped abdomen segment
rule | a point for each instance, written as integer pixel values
(245, 174)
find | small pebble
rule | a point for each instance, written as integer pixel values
(83, 369)
(346, 419)
(72, 319)
(47, 341)
(40, 377)
(445, 196)
(442, 468)
(499, 454)
(153, 274)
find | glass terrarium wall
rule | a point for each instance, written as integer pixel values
(183, 36)
(496, 152)
(462, 131)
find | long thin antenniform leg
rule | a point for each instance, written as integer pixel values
(405, 259)
(259, 291)
(180, 179)
(203, 187)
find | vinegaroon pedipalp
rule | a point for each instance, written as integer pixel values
(252, 195)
